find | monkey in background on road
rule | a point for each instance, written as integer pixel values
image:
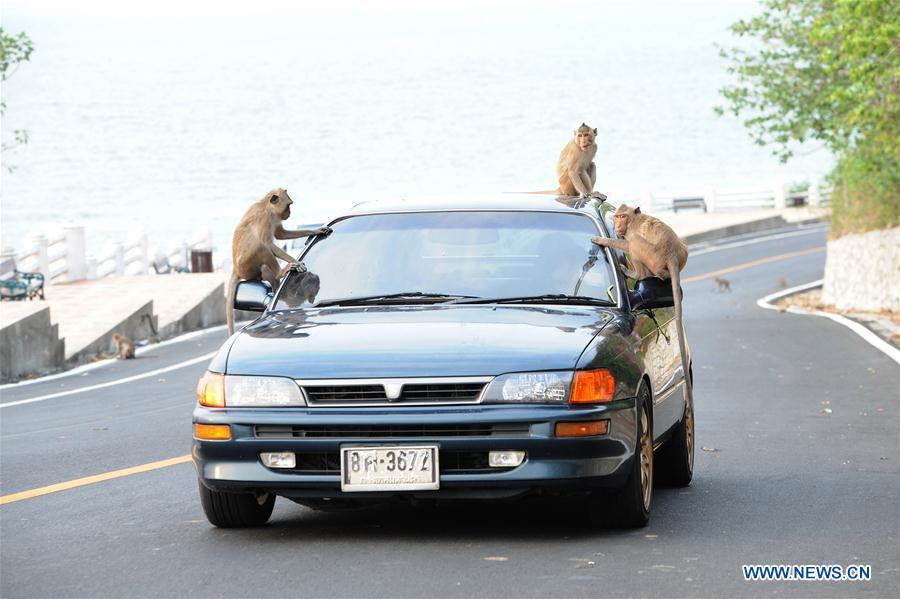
(124, 347)
(654, 251)
(576, 171)
(722, 285)
(253, 249)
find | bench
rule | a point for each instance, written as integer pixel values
(688, 203)
(18, 285)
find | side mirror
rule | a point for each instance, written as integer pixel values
(651, 293)
(252, 296)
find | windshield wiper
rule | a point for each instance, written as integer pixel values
(393, 298)
(557, 298)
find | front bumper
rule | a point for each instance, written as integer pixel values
(555, 465)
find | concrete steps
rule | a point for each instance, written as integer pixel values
(29, 342)
(88, 313)
(77, 320)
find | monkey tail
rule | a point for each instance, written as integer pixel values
(679, 321)
(229, 302)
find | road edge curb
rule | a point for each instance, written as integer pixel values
(866, 334)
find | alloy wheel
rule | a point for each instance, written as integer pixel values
(646, 452)
(689, 434)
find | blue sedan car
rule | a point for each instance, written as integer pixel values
(470, 349)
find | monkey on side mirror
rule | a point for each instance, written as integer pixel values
(254, 252)
(654, 250)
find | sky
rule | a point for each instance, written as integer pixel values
(276, 7)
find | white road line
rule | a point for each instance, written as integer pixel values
(139, 351)
(128, 379)
(867, 335)
(737, 244)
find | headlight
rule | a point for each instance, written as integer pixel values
(530, 387)
(248, 391)
(261, 391)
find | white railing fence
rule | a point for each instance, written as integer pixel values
(61, 255)
(724, 199)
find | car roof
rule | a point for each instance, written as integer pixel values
(499, 201)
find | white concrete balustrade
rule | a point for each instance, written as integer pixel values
(61, 255)
(725, 199)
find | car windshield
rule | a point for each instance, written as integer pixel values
(430, 257)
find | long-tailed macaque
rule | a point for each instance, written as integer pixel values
(722, 285)
(253, 249)
(654, 250)
(124, 347)
(576, 171)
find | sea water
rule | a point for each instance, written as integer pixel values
(175, 124)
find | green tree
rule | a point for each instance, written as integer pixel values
(827, 70)
(14, 50)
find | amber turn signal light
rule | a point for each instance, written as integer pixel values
(592, 386)
(590, 428)
(212, 432)
(211, 390)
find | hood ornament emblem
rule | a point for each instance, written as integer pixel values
(393, 391)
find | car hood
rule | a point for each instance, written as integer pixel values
(415, 341)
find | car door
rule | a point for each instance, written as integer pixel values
(658, 346)
(663, 364)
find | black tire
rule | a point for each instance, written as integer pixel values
(236, 510)
(628, 508)
(635, 500)
(676, 459)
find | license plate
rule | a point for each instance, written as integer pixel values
(402, 468)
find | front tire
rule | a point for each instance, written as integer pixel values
(236, 510)
(635, 499)
(677, 457)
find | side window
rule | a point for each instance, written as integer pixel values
(619, 254)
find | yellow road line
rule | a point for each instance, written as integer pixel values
(759, 262)
(89, 480)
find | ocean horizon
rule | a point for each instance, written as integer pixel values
(175, 124)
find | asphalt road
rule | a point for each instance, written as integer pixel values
(797, 418)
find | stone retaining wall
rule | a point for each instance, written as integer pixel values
(862, 272)
(29, 343)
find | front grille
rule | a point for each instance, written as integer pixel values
(380, 392)
(440, 393)
(451, 462)
(398, 431)
(342, 393)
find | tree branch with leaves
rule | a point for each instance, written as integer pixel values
(14, 50)
(826, 70)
